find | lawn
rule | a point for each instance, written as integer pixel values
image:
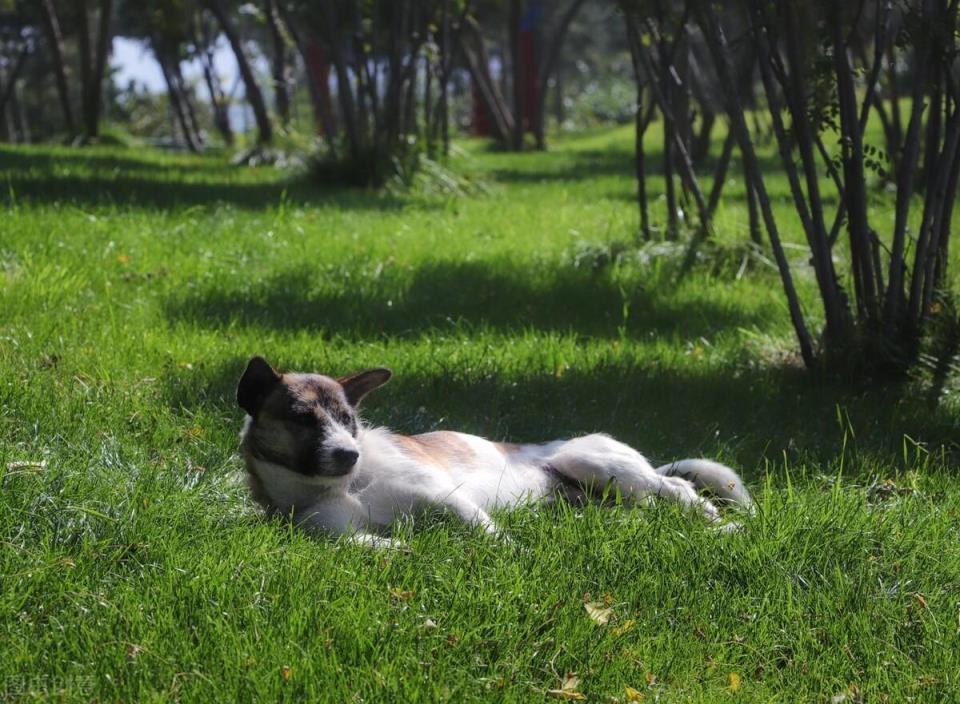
(133, 567)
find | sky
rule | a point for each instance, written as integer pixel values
(135, 61)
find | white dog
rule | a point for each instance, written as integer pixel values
(310, 459)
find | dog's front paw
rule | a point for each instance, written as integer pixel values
(378, 541)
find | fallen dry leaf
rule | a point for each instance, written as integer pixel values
(598, 612)
(734, 681)
(623, 627)
(568, 689)
(402, 594)
(633, 695)
(285, 672)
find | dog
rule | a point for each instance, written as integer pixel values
(311, 459)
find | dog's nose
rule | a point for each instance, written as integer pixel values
(345, 458)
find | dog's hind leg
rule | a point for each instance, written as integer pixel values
(598, 461)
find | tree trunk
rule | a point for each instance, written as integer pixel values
(176, 101)
(720, 173)
(854, 183)
(720, 50)
(640, 124)
(23, 125)
(318, 76)
(548, 68)
(86, 66)
(93, 65)
(186, 97)
(516, 58)
(281, 91)
(254, 95)
(51, 27)
(677, 149)
(895, 301)
(478, 63)
(7, 94)
(218, 100)
(445, 59)
(700, 149)
(344, 89)
(811, 214)
(104, 44)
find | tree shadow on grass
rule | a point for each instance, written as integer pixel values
(497, 294)
(108, 180)
(588, 164)
(744, 415)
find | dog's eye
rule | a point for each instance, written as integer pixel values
(305, 419)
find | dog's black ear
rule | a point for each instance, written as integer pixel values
(256, 383)
(359, 385)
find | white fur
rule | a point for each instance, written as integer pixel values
(388, 482)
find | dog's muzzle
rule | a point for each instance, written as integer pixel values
(344, 460)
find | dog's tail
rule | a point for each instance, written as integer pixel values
(711, 476)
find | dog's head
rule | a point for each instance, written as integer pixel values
(304, 422)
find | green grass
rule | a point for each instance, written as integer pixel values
(134, 285)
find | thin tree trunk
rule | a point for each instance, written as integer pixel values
(720, 173)
(7, 94)
(478, 63)
(186, 96)
(813, 225)
(281, 93)
(104, 42)
(559, 110)
(86, 65)
(315, 64)
(23, 125)
(445, 60)
(668, 149)
(254, 95)
(218, 100)
(93, 65)
(753, 214)
(855, 185)
(51, 26)
(719, 49)
(928, 246)
(894, 305)
(640, 124)
(674, 140)
(700, 148)
(428, 113)
(176, 102)
(549, 68)
(516, 13)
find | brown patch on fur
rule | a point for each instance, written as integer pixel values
(507, 448)
(304, 392)
(441, 448)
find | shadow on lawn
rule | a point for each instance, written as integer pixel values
(91, 179)
(497, 294)
(587, 164)
(742, 414)
(742, 410)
